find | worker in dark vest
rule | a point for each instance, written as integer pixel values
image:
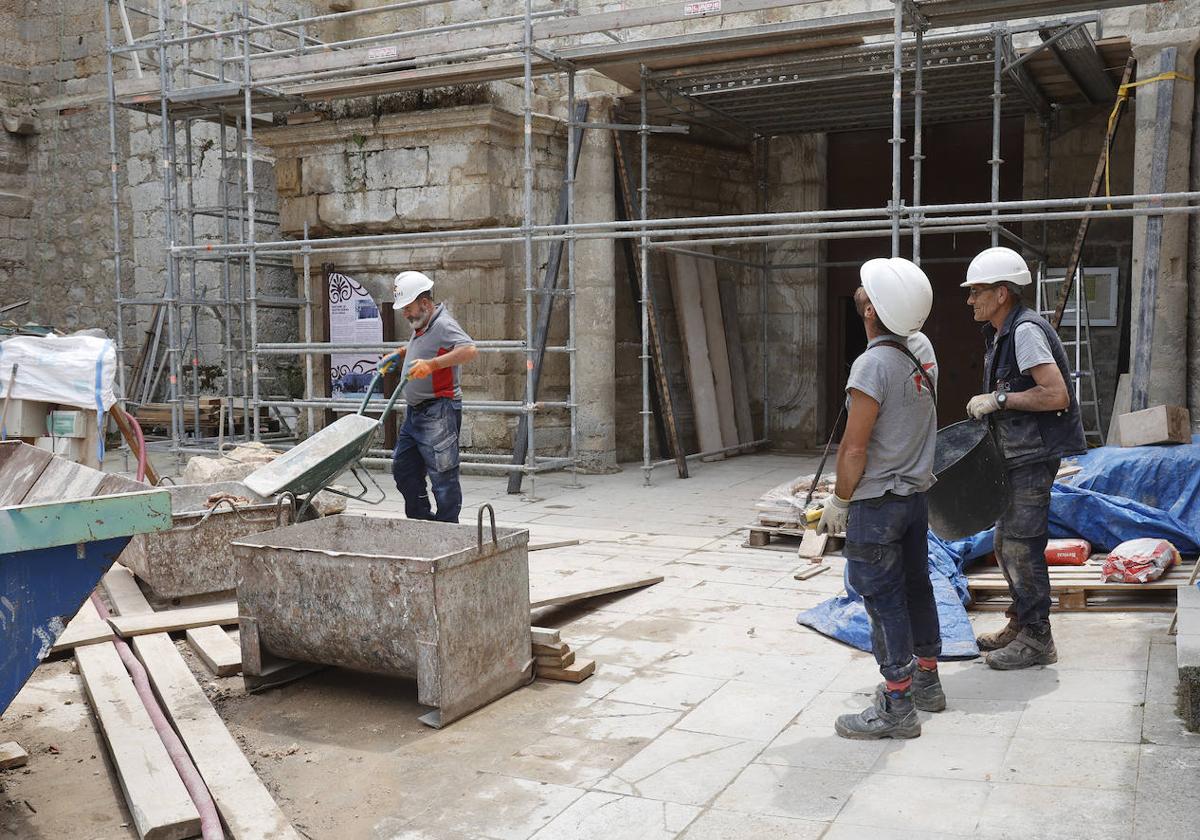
(427, 445)
(1037, 422)
(884, 468)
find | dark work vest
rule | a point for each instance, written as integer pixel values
(1026, 437)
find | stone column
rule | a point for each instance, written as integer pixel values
(595, 284)
(1168, 378)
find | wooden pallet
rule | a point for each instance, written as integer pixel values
(1080, 588)
(783, 538)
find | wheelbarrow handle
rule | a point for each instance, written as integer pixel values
(385, 364)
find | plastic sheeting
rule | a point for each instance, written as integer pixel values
(1102, 519)
(1166, 477)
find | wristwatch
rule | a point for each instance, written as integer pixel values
(1002, 399)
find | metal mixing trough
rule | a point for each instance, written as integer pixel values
(194, 557)
(443, 603)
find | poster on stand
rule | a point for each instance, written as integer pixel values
(353, 319)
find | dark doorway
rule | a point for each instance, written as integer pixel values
(956, 170)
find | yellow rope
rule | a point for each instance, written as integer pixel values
(1122, 98)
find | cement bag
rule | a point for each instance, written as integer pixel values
(1068, 552)
(75, 370)
(785, 504)
(1139, 561)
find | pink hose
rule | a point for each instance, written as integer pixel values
(141, 439)
(210, 822)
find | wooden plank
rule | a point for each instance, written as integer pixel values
(63, 480)
(737, 361)
(580, 586)
(86, 628)
(246, 807)
(169, 621)
(718, 352)
(577, 672)
(654, 338)
(810, 572)
(158, 801)
(12, 755)
(563, 661)
(559, 649)
(20, 466)
(812, 545)
(559, 544)
(686, 294)
(545, 636)
(216, 649)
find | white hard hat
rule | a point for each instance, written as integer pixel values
(407, 286)
(899, 291)
(998, 265)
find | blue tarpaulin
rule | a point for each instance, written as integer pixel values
(1122, 494)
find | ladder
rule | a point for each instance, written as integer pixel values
(1077, 328)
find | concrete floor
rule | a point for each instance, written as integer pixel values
(710, 714)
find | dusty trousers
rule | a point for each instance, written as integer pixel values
(887, 554)
(1021, 536)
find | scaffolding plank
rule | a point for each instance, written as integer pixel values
(718, 350)
(685, 292)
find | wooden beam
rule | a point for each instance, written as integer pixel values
(158, 802)
(581, 586)
(86, 628)
(220, 653)
(169, 621)
(545, 636)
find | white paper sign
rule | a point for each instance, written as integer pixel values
(703, 7)
(353, 319)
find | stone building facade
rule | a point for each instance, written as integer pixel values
(451, 159)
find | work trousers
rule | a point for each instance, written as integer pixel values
(427, 448)
(1021, 536)
(887, 555)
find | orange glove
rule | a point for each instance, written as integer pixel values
(420, 369)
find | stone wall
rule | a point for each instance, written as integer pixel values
(1076, 140)
(449, 168)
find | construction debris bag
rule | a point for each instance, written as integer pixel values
(1139, 561)
(76, 370)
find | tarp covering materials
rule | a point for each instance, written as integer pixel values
(1120, 494)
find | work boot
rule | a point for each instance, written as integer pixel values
(1031, 647)
(927, 691)
(999, 638)
(891, 715)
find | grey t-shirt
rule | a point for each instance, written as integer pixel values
(900, 452)
(441, 335)
(1032, 347)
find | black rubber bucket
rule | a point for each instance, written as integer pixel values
(972, 484)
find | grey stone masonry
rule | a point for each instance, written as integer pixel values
(1187, 646)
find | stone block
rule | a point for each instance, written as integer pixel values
(363, 210)
(397, 168)
(324, 174)
(15, 205)
(416, 205)
(471, 202)
(288, 180)
(296, 211)
(450, 161)
(1160, 424)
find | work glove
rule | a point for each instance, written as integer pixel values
(834, 516)
(982, 405)
(420, 369)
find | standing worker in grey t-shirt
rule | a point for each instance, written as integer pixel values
(427, 445)
(1037, 421)
(884, 468)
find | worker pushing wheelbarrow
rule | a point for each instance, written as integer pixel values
(427, 445)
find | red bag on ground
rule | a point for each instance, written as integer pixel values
(1068, 552)
(1140, 561)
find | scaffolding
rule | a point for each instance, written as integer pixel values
(735, 80)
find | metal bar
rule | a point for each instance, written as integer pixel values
(997, 104)
(318, 348)
(763, 277)
(1148, 294)
(644, 254)
(1049, 42)
(918, 155)
(697, 456)
(550, 279)
(137, 63)
(527, 228)
(114, 165)
(252, 267)
(168, 164)
(897, 132)
(309, 373)
(377, 404)
(574, 151)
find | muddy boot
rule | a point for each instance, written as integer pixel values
(927, 691)
(1031, 647)
(999, 638)
(892, 715)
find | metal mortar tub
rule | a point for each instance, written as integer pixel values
(445, 604)
(194, 557)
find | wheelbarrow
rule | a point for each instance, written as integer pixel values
(313, 464)
(61, 527)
